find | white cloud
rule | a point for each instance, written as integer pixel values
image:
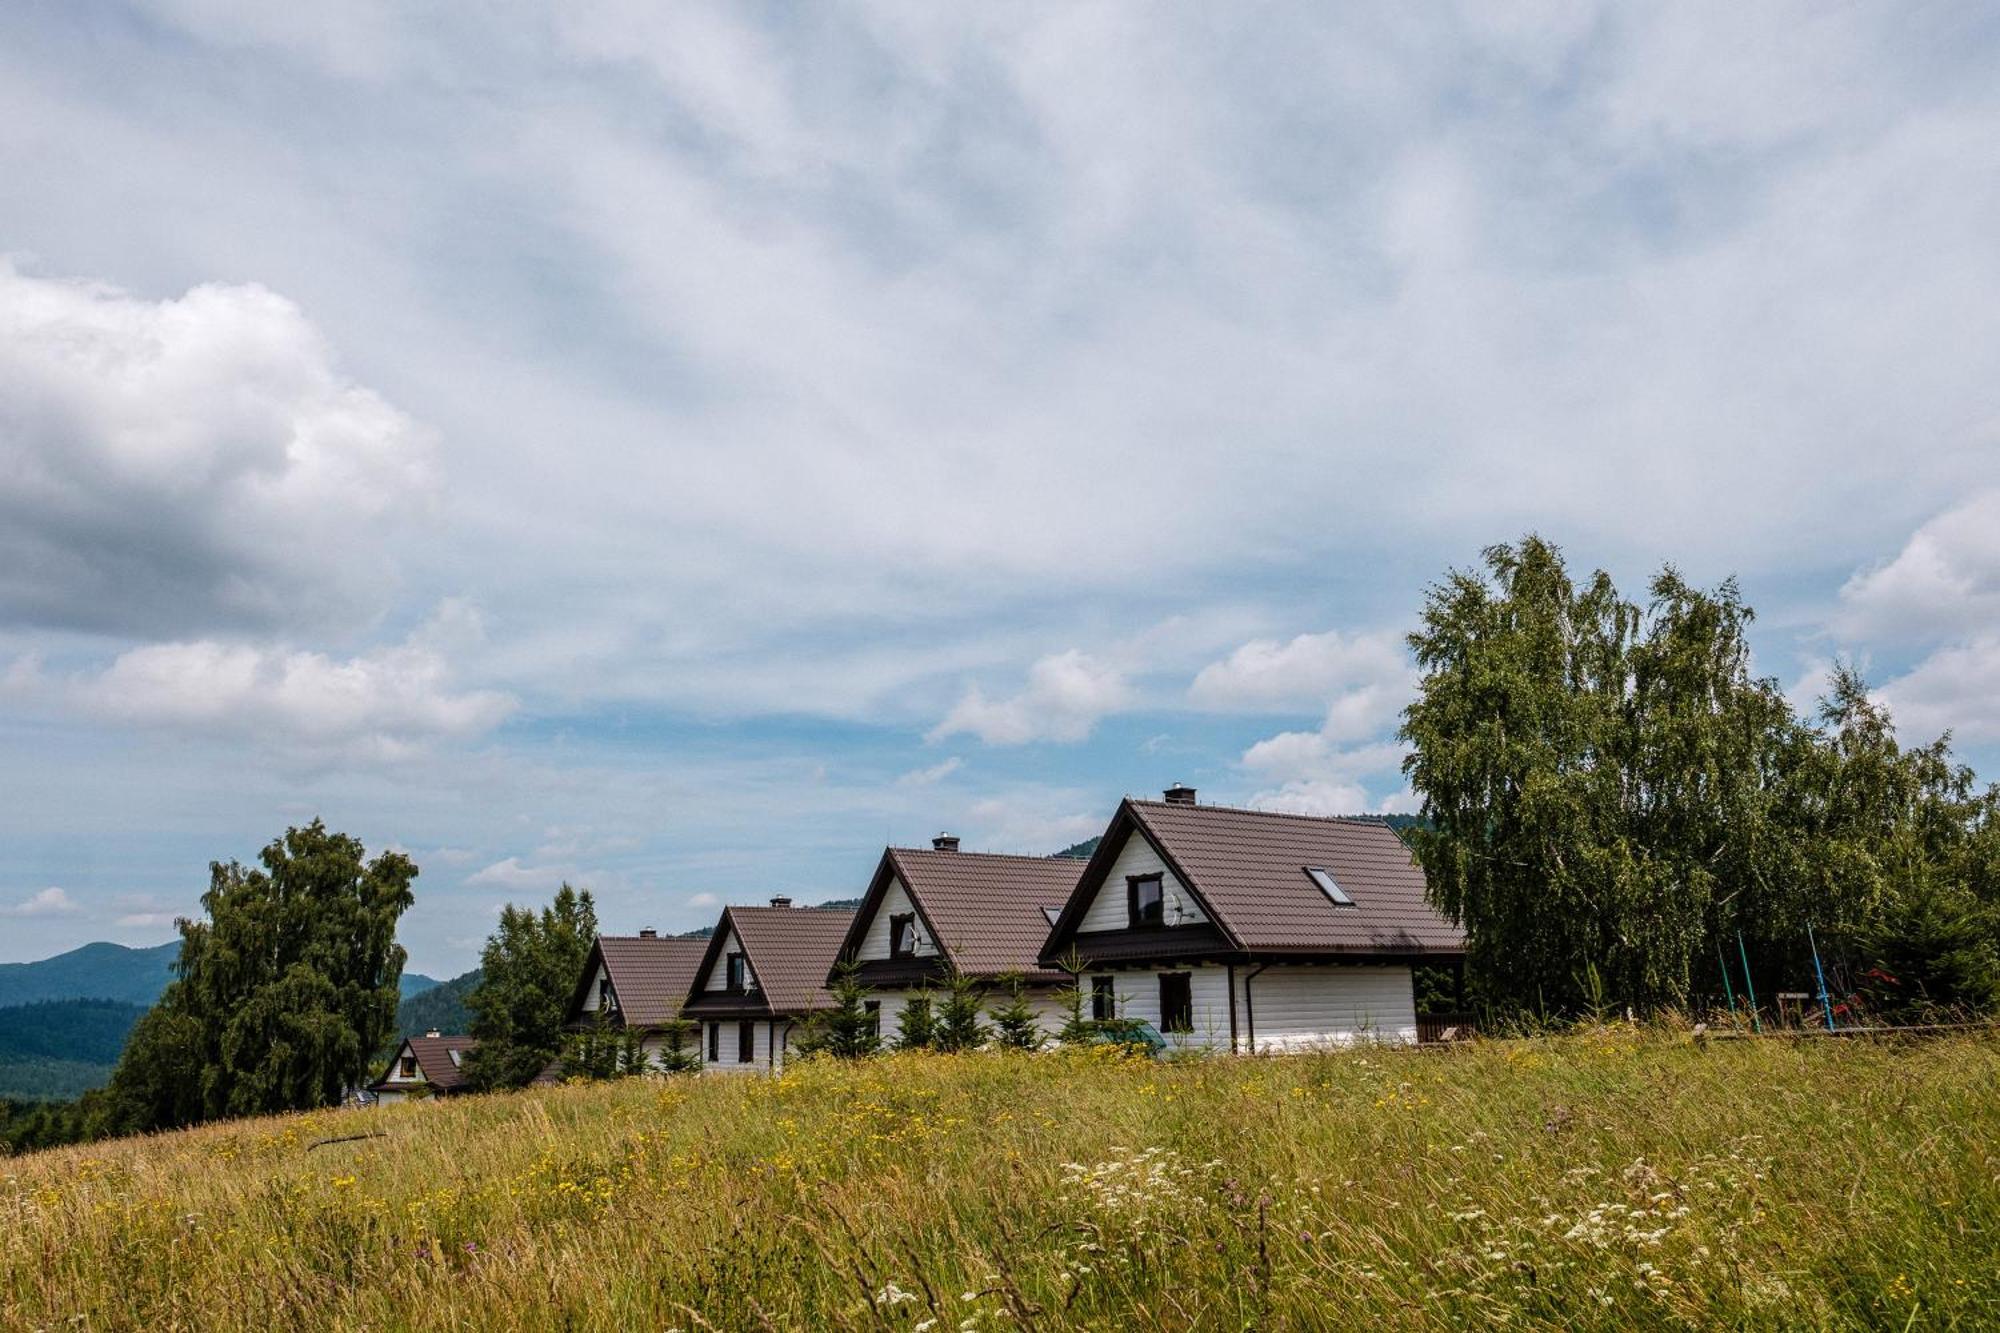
(931, 776)
(194, 463)
(47, 902)
(513, 875)
(1314, 797)
(1303, 672)
(144, 920)
(383, 704)
(1951, 690)
(1031, 822)
(1065, 696)
(703, 900)
(1945, 581)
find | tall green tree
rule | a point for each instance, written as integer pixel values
(281, 993)
(1611, 795)
(529, 968)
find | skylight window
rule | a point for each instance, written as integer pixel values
(1328, 885)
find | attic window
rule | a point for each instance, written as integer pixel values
(736, 972)
(903, 935)
(1143, 901)
(407, 1067)
(606, 997)
(1329, 886)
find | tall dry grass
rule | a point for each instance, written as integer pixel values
(1615, 1181)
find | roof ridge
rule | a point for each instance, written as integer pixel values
(1156, 803)
(1008, 856)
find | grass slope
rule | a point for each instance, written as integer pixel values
(1616, 1181)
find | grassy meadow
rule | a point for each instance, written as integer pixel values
(1617, 1180)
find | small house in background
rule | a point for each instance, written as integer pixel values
(636, 982)
(932, 911)
(426, 1066)
(1251, 930)
(764, 973)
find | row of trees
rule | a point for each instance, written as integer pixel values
(1612, 797)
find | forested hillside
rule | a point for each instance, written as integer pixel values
(100, 971)
(57, 1049)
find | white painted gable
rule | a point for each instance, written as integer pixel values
(718, 976)
(1109, 910)
(895, 902)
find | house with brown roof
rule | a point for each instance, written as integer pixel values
(761, 976)
(426, 1066)
(984, 915)
(1251, 930)
(635, 982)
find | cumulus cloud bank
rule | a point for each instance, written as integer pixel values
(189, 464)
(1065, 695)
(381, 704)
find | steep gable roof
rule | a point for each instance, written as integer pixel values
(1247, 868)
(434, 1061)
(982, 909)
(790, 950)
(650, 975)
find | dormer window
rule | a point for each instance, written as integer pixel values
(903, 935)
(737, 972)
(1145, 902)
(1328, 885)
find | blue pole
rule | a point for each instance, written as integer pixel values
(1756, 1025)
(1820, 972)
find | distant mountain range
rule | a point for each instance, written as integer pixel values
(94, 972)
(64, 1020)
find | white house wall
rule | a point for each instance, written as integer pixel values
(726, 1048)
(895, 902)
(1109, 910)
(597, 980)
(718, 976)
(1294, 1007)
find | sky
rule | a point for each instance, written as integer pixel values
(680, 449)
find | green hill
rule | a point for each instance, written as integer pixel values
(100, 971)
(441, 1007)
(53, 1050)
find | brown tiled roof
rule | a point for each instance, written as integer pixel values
(434, 1060)
(789, 949)
(983, 909)
(1247, 868)
(650, 975)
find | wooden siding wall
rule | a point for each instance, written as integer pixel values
(1296, 1007)
(895, 902)
(727, 1047)
(718, 977)
(1110, 911)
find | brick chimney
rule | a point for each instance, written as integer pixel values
(1178, 794)
(648, 933)
(945, 842)
(780, 900)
